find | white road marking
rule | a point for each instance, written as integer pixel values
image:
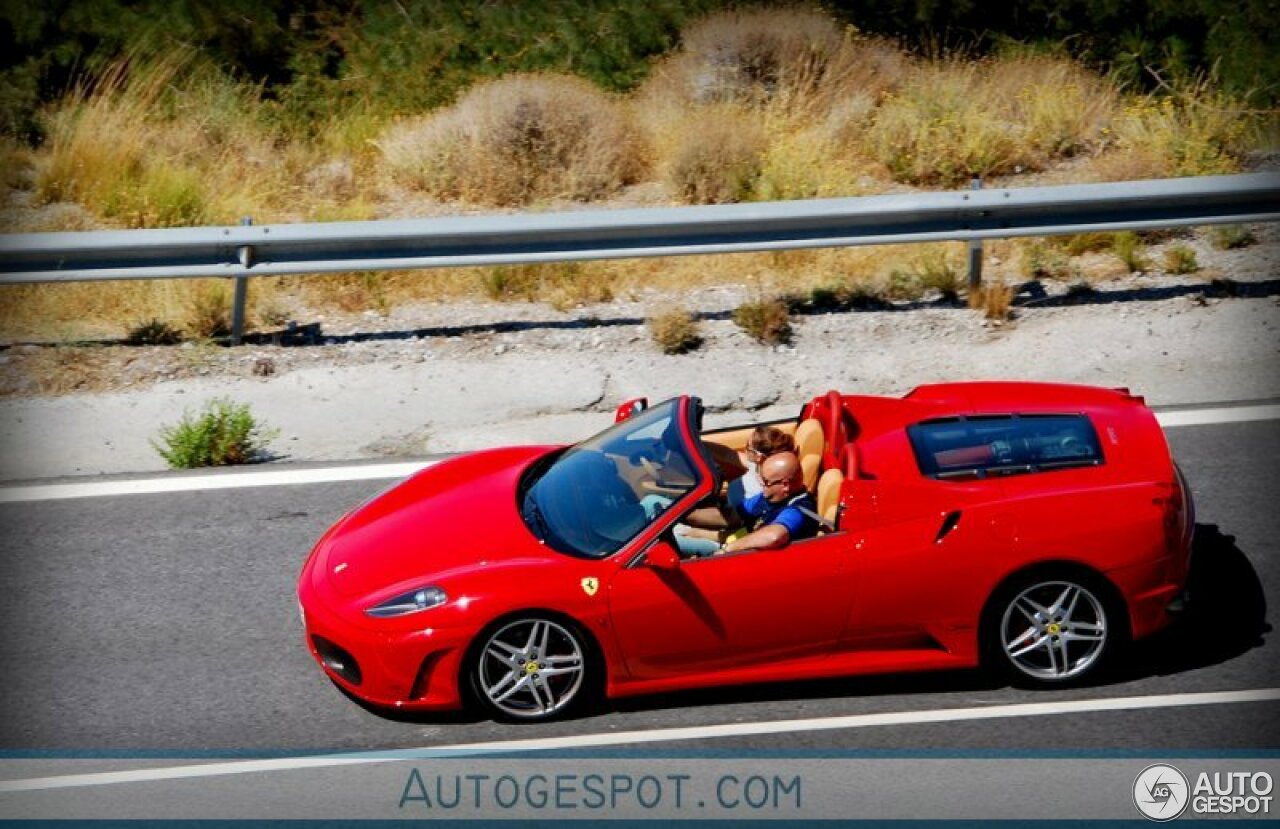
(657, 735)
(368, 472)
(195, 483)
(1203, 417)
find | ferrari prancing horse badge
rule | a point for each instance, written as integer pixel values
(590, 585)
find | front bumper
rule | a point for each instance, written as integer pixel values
(415, 669)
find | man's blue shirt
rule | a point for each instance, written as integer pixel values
(757, 512)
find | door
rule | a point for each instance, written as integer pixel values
(732, 610)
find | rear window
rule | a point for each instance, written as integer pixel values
(976, 447)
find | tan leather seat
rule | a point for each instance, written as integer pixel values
(829, 495)
(809, 448)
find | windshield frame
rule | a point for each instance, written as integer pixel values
(582, 501)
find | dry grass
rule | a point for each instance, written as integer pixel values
(159, 144)
(764, 103)
(562, 285)
(718, 159)
(519, 140)
(1064, 108)
(809, 163)
(16, 162)
(89, 310)
(994, 299)
(955, 119)
(1180, 259)
(1190, 132)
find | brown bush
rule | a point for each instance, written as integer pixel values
(718, 159)
(954, 119)
(768, 320)
(995, 300)
(517, 140)
(675, 331)
(798, 58)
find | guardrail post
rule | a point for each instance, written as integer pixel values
(241, 291)
(975, 249)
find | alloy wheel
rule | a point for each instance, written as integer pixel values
(1054, 631)
(531, 668)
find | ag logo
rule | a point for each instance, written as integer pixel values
(590, 585)
(1161, 792)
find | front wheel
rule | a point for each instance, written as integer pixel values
(1052, 630)
(532, 668)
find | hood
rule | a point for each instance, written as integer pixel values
(450, 516)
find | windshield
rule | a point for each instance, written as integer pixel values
(593, 498)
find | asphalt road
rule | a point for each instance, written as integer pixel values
(167, 624)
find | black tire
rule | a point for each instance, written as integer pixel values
(533, 667)
(1053, 627)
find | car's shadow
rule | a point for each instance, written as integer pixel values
(1226, 613)
(801, 691)
(1226, 617)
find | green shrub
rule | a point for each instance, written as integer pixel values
(1130, 250)
(675, 331)
(768, 320)
(153, 332)
(1043, 260)
(935, 272)
(1230, 237)
(903, 285)
(223, 433)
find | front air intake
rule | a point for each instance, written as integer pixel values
(337, 660)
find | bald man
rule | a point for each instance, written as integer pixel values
(783, 512)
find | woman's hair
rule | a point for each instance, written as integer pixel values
(770, 440)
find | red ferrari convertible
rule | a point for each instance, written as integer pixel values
(1035, 529)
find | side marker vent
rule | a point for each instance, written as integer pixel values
(948, 524)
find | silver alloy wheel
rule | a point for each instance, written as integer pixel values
(1054, 630)
(531, 668)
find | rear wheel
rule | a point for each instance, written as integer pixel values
(1053, 628)
(532, 668)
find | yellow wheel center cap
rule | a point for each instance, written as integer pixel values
(1054, 629)
(531, 667)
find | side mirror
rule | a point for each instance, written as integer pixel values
(662, 556)
(631, 408)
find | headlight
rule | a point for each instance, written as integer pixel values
(423, 598)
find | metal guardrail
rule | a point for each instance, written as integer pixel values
(965, 215)
(266, 250)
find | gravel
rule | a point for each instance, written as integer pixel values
(445, 377)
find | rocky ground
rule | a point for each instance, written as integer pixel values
(443, 377)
